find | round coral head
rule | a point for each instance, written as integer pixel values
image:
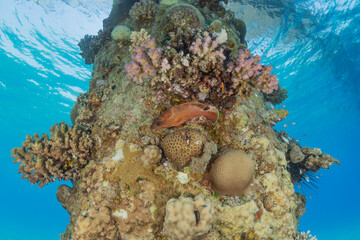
(231, 173)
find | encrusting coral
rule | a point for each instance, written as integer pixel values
(97, 225)
(60, 156)
(152, 155)
(186, 218)
(228, 178)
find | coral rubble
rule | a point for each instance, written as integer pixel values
(232, 178)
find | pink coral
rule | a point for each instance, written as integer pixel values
(247, 71)
(206, 49)
(196, 65)
(146, 61)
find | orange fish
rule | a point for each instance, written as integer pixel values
(179, 114)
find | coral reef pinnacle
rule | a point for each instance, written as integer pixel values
(231, 178)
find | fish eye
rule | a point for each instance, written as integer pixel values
(157, 123)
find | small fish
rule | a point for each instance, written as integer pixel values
(293, 123)
(285, 125)
(237, 103)
(179, 114)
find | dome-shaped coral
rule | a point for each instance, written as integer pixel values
(182, 145)
(121, 33)
(143, 10)
(186, 218)
(231, 173)
(182, 16)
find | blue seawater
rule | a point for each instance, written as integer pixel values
(314, 47)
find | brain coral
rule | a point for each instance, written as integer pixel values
(182, 145)
(231, 173)
(186, 218)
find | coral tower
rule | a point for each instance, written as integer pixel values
(229, 179)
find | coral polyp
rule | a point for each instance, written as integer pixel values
(174, 138)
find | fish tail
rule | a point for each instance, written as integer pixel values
(212, 114)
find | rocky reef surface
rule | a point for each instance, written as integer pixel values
(143, 156)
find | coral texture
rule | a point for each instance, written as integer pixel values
(231, 173)
(135, 220)
(152, 155)
(121, 33)
(60, 156)
(98, 225)
(186, 218)
(146, 61)
(143, 10)
(182, 145)
(182, 16)
(201, 73)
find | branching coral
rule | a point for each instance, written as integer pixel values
(90, 45)
(305, 236)
(303, 162)
(246, 72)
(146, 61)
(195, 65)
(277, 96)
(62, 156)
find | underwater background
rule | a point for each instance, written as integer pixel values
(314, 47)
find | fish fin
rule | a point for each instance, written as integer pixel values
(212, 114)
(200, 105)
